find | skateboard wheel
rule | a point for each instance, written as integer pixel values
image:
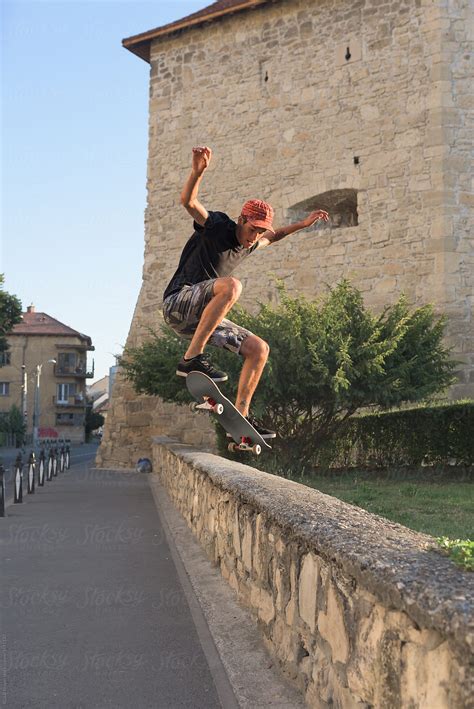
(193, 405)
(232, 447)
(219, 409)
(257, 449)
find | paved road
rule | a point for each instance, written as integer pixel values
(80, 454)
(92, 608)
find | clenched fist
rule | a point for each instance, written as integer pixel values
(201, 159)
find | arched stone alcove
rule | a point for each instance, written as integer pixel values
(340, 204)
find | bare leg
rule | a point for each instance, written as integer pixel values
(255, 351)
(226, 292)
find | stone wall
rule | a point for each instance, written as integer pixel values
(357, 611)
(453, 122)
(303, 101)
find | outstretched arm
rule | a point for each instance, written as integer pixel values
(189, 193)
(280, 233)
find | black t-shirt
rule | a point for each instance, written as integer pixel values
(212, 252)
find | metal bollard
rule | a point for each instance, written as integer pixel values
(31, 473)
(2, 491)
(41, 467)
(68, 458)
(50, 465)
(62, 460)
(55, 462)
(18, 479)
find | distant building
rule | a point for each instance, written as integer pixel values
(98, 389)
(98, 395)
(61, 406)
(100, 392)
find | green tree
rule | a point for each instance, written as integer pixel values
(328, 359)
(10, 314)
(11, 423)
(93, 421)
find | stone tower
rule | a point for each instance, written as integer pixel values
(356, 106)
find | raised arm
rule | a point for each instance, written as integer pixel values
(280, 233)
(189, 193)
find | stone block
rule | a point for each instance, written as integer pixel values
(236, 533)
(380, 234)
(386, 285)
(280, 546)
(259, 534)
(247, 546)
(425, 680)
(211, 521)
(282, 640)
(308, 589)
(291, 611)
(362, 672)
(139, 419)
(332, 626)
(393, 269)
(336, 250)
(266, 611)
(279, 604)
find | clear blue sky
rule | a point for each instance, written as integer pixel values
(74, 151)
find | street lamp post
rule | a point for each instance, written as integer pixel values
(24, 392)
(36, 410)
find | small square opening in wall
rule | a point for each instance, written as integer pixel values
(349, 51)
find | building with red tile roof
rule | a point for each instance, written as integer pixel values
(34, 323)
(44, 375)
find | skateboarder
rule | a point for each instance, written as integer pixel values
(202, 291)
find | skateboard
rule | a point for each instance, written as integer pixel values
(209, 398)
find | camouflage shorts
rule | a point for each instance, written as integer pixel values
(182, 311)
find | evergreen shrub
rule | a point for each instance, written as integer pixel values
(329, 358)
(430, 435)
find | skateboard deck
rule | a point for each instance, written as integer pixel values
(209, 398)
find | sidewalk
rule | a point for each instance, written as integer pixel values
(93, 611)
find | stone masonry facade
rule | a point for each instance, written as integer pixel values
(356, 105)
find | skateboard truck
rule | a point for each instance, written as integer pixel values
(245, 445)
(208, 405)
(210, 399)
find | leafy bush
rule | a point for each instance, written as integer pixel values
(461, 551)
(152, 367)
(328, 358)
(10, 314)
